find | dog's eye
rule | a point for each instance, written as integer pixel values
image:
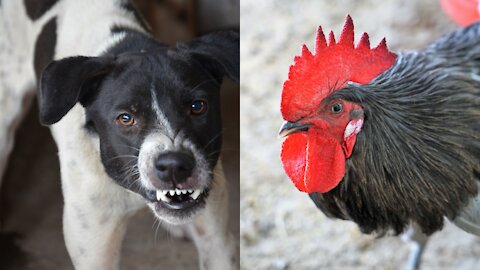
(198, 107)
(125, 119)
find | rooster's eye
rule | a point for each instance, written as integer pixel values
(337, 108)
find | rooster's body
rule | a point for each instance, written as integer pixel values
(406, 146)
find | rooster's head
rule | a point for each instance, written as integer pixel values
(321, 131)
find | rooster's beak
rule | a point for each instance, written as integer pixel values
(291, 127)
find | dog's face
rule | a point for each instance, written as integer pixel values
(157, 117)
(158, 121)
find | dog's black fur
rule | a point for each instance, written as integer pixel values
(36, 8)
(45, 46)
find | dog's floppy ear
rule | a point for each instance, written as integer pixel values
(65, 82)
(217, 52)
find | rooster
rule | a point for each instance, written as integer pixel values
(386, 139)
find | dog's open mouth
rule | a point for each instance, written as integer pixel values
(180, 199)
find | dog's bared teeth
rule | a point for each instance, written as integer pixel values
(178, 192)
(195, 194)
(171, 192)
(164, 192)
(189, 191)
(161, 196)
(184, 191)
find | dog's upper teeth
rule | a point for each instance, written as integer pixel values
(171, 192)
(195, 194)
(161, 195)
(189, 191)
(184, 191)
(178, 192)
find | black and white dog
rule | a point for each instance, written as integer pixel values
(136, 123)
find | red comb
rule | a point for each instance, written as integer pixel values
(313, 77)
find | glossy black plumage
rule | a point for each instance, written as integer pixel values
(417, 158)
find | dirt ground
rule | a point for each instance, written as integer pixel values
(280, 227)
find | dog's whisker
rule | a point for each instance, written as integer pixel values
(123, 156)
(129, 169)
(213, 139)
(213, 154)
(131, 147)
(135, 182)
(131, 173)
(202, 83)
(156, 230)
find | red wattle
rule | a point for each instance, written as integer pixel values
(325, 162)
(314, 161)
(293, 157)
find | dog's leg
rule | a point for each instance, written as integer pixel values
(96, 210)
(94, 224)
(93, 243)
(217, 248)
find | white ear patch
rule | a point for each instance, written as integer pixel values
(353, 127)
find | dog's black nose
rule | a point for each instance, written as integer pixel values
(175, 167)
